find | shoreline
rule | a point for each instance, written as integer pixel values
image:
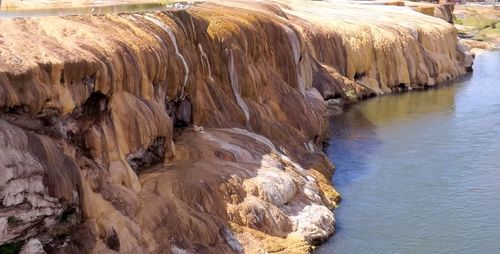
(337, 109)
(402, 126)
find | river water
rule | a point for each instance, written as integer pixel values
(420, 172)
(37, 8)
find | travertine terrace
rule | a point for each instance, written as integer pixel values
(197, 129)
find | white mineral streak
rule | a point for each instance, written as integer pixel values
(233, 77)
(294, 41)
(171, 35)
(257, 137)
(240, 154)
(205, 58)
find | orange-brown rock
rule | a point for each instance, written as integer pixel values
(193, 130)
(442, 10)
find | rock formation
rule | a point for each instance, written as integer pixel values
(197, 129)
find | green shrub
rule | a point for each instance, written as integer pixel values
(11, 248)
(13, 221)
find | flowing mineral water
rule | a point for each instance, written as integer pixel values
(203, 56)
(294, 41)
(171, 35)
(233, 78)
(420, 172)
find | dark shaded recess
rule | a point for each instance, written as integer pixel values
(18, 110)
(333, 96)
(63, 244)
(47, 122)
(67, 213)
(401, 87)
(62, 77)
(13, 221)
(113, 241)
(76, 239)
(11, 248)
(142, 158)
(463, 35)
(359, 75)
(87, 115)
(180, 112)
(65, 248)
(326, 85)
(65, 237)
(89, 81)
(96, 103)
(317, 240)
(367, 96)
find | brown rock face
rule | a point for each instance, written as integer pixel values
(193, 130)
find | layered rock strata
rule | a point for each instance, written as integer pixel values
(193, 130)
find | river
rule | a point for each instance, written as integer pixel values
(419, 172)
(39, 8)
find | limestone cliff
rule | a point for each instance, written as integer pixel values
(197, 129)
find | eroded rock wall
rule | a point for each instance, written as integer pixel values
(198, 129)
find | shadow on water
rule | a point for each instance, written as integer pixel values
(353, 139)
(350, 143)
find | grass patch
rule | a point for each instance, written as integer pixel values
(478, 22)
(482, 26)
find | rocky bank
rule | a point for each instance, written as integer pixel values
(195, 129)
(478, 26)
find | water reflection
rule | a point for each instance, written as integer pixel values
(354, 132)
(420, 172)
(382, 110)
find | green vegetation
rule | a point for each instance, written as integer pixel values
(478, 22)
(11, 248)
(456, 20)
(13, 221)
(481, 24)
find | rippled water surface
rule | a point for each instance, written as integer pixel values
(420, 172)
